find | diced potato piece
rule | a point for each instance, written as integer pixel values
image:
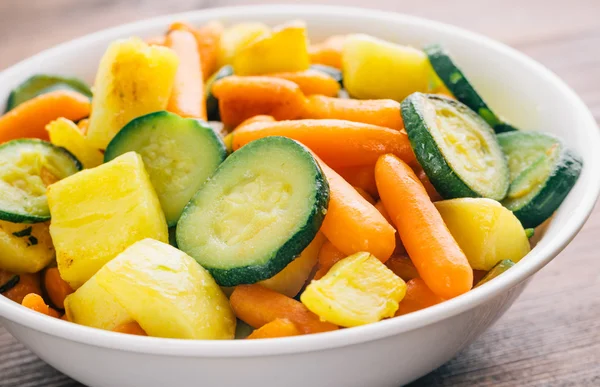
(93, 306)
(292, 278)
(25, 248)
(133, 79)
(99, 212)
(66, 134)
(485, 231)
(285, 49)
(357, 290)
(236, 37)
(376, 69)
(168, 293)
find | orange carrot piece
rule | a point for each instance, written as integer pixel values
(156, 41)
(312, 82)
(329, 52)
(207, 39)
(83, 125)
(329, 255)
(241, 98)
(187, 98)
(259, 118)
(418, 296)
(280, 327)
(365, 195)
(35, 302)
(436, 255)
(56, 288)
(402, 266)
(362, 176)
(28, 283)
(339, 143)
(29, 119)
(381, 208)
(258, 306)
(353, 224)
(380, 112)
(131, 328)
(431, 191)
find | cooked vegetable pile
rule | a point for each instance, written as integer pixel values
(220, 177)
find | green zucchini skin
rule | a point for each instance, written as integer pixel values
(458, 84)
(11, 283)
(276, 257)
(212, 103)
(563, 175)
(44, 83)
(498, 269)
(73, 165)
(444, 178)
(331, 71)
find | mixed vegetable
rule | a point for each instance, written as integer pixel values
(237, 182)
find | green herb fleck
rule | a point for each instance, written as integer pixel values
(32, 241)
(11, 283)
(529, 232)
(23, 233)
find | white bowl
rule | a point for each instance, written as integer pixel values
(389, 353)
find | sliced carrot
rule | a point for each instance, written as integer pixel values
(29, 119)
(258, 306)
(280, 327)
(381, 112)
(418, 296)
(402, 266)
(56, 288)
(207, 39)
(362, 176)
(329, 52)
(187, 98)
(312, 82)
(431, 191)
(156, 41)
(436, 255)
(339, 143)
(241, 98)
(329, 255)
(131, 328)
(27, 283)
(35, 302)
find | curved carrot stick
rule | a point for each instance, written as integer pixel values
(418, 296)
(207, 39)
(329, 52)
(35, 302)
(280, 327)
(56, 288)
(29, 119)
(329, 255)
(362, 176)
(436, 255)
(312, 82)
(187, 97)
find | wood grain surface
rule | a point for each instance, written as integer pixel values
(551, 336)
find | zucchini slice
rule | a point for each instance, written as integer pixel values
(43, 83)
(212, 103)
(456, 148)
(259, 211)
(331, 71)
(179, 155)
(498, 269)
(27, 167)
(542, 172)
(457, 83)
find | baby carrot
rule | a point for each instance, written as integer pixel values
(258, 306)
(241, 98)
(436, 255)
(362, 176)
(433, 194)
(312, 82)
(29, 119)
(365, 195)
(56, 288)
(280, 327)
(353, 224)
(329, 52)
(187, 98)
(207, 39)
(329, 255)
(418, 296)
(17, 286)
(381, 112)
(339, 143)
(36, 302)
(132, 328)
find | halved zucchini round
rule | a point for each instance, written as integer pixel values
(43, 83)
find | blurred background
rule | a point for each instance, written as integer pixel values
(550, 337)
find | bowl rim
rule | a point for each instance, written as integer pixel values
(538, 257)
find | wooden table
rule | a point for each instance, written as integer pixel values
(551, 336)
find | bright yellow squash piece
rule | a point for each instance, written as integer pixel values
(237, 37)
(168, 293)
(66, 134)
(486, 231)
(292, 278)
(99, 212)
(283, 50)
(133, 79)
(25, 248)
(377, 69)
(357, 290)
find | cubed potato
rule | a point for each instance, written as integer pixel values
(66, 134)
(236, 37)
(99, 212)
(25, 248)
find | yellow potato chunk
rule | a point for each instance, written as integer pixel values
(168, 293)
(486, 231)
(25, 248)
(237, 37)
(377, 69)
(357, 290)
(285, 49)
(99, 212)
(66, 134)
(133, 79)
